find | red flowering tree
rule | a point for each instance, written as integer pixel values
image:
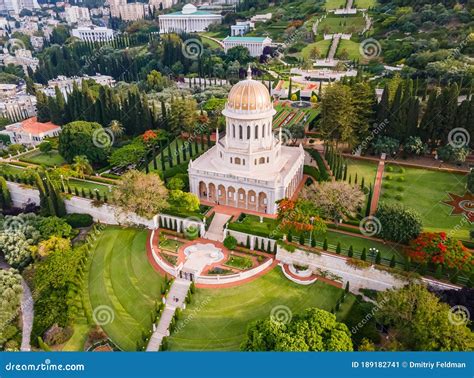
(438, 248)
(299, 216)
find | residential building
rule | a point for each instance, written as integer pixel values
(30, 132)
(240, 28)
(75, 14)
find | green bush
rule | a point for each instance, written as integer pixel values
(401, 179)
(400, 188)
(230, 242)
(389, 168)
(398, 223)
(398, 197)
(388, 177)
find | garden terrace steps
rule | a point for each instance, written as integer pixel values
(216, 228)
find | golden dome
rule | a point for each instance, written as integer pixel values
(249, 96)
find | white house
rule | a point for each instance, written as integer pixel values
(93, 33)
(188, 20)
(249, 167)
(255, 45)
(30, 132)
(240, 28)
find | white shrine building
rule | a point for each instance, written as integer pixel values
(248, 167)
(188, 20)
(255, 45)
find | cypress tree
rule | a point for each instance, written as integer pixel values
(392, 262)
(378, 258)
(350, 252)
(301, 241)
(325, 244)
(338, 248)
(363, 256)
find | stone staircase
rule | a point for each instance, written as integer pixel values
(216, 228)
(175, 299)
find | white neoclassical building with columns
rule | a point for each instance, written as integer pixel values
(188, 20)
(249, 167)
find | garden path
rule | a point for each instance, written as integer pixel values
(175, 299)
(216, 228)
(377, 185)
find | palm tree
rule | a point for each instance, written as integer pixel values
(116, 128)
(82, 166)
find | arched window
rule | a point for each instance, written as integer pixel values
(268, 159)
(230, 160)
(261, 160)
(233, 131)
(255, 161)
(248, 132)
(256, 132)
(237, 161)
(240, 132)
(243, 161)
(263, 131)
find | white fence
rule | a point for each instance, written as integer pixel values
(221, 279)
(168, 221)
(22, 195)
(242, 239)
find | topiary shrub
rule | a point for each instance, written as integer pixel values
(77, 220)
(230, 242)
(398, 223)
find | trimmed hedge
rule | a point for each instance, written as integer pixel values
(77, 220)
(311, 171)
(323, 173)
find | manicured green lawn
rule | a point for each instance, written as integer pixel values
(363, 169)
(251, 224)
(11, 169)
(176, 145)
(218, 319)
(334, 4)
(122, 278)
(323, 47)
(424, 191)
(170, 245)
(211, 43)
(88, 185)
(341, 24)
(350, 47)
(364, 4)
(358, 244)
(49, 159)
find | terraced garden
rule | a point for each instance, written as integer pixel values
(218, 319)
(287, 116)
(121, 278)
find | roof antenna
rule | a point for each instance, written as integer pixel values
(249, 73)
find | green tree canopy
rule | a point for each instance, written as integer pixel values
(314, 330)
